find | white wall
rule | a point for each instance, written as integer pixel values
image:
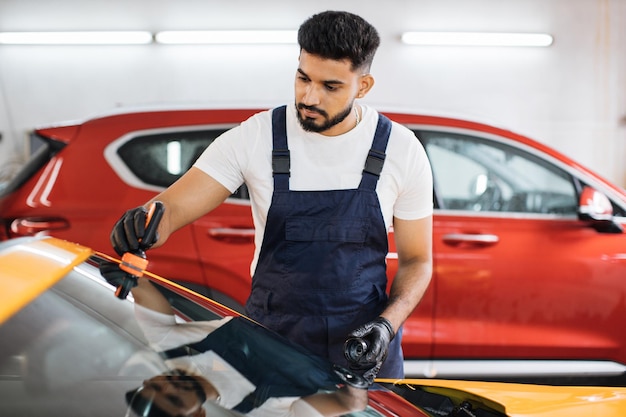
(571, 95)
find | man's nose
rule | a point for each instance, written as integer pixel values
(311, 96)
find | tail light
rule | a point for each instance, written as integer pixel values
(29, 226)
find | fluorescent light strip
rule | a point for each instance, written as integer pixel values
(227, 37)
(476, 39)
(76, 38)
(441, 368)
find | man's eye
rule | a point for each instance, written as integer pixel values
(330, 87)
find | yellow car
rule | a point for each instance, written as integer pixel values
(70, 347)
(490, 399)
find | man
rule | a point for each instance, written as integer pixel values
(224, 361)
(327, 177)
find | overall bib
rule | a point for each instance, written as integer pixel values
(321, 271)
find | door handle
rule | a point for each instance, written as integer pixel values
(232, 234)
(28, 226)
(457, 239)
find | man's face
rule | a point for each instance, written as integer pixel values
(325, 92)
(173, 394)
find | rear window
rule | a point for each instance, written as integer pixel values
(14, 175)
(161, 159)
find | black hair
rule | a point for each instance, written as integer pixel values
(340, 35)
(142, 406)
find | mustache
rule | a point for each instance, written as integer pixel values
(302, 106)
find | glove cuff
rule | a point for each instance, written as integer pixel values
(388, 325)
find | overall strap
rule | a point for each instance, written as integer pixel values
(280, 151)
(376, 155)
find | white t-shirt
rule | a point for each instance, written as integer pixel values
(163, 332)
(318, 162)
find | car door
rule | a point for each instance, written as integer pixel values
(516, 274)
(211, 255)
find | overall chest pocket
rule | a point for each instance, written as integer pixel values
(324, 255)
(310, 229)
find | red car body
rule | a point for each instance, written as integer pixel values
(529, 253)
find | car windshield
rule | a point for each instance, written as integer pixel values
(77, 350)
(66, 345)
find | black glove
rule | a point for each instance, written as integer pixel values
(129, 233)
(350, 378)
(367, 346)
(114, 275)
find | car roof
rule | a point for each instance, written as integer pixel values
(261, 106)
(150, 115)
(24, 277)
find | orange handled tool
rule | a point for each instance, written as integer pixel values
(135, 263)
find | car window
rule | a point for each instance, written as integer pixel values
(475, 174)
(160, 159)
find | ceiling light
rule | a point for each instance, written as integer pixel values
(76, 38)
(227, 37)
(476, 39)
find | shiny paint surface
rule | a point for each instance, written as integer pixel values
(529, 400)
(505, 286)
(510, 297)
(21, 277)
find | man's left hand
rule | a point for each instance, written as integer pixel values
(378, 334)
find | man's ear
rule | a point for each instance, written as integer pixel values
(366, 82)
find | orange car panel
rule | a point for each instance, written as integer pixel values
(24, 276)
(528, 400)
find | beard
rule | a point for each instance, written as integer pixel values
(310, 124)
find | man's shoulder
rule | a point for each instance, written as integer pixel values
(372, 113)
(260, 116)
(255, 126)
(402, 133)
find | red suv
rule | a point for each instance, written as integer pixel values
(530, 257)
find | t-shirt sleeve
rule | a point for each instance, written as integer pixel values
(415, 197)
(227, 158)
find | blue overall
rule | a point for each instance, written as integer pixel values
(321, 271)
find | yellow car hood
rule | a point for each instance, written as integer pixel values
(526, 400)
(24, 276)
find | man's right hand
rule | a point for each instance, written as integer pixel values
(129, 233)
(112, 273)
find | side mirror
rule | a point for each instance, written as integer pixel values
(595, 208)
